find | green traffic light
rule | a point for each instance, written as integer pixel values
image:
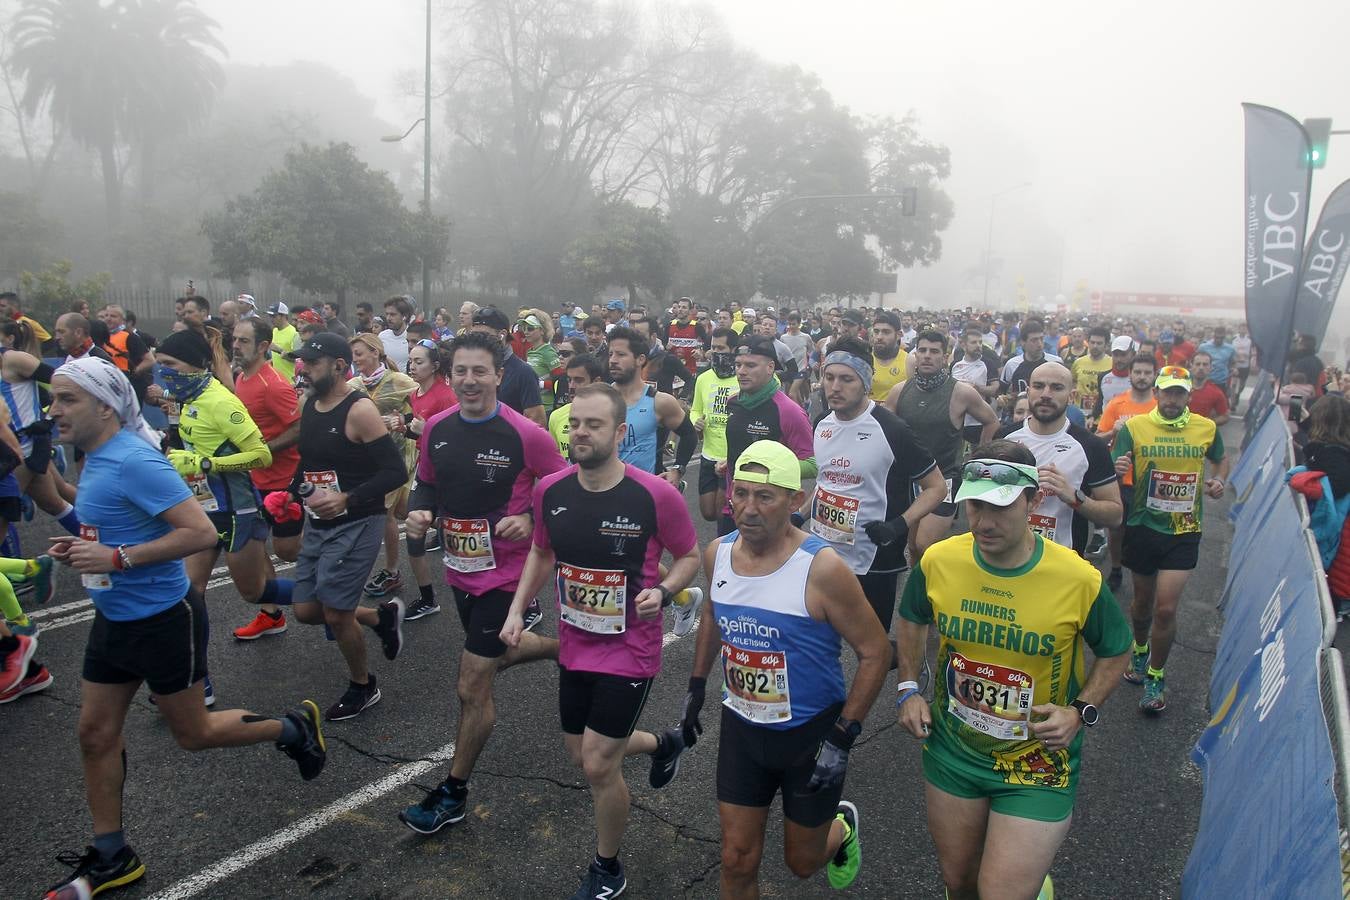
(1319, 136)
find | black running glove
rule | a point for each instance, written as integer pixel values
(693, 705)
(883, 534)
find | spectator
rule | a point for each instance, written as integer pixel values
(332, 317)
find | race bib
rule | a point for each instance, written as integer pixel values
(915, 490)
(1043, 525)
(322, 481)
(468, 545)
(101, 582)
(756, 684)
(834, 517)
(1172, 492)
(993, 700)
(201, 492)
(593, 600)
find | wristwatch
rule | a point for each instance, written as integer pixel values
(206, 465)
(1079, 498)
(849, 728)
(1086, 711)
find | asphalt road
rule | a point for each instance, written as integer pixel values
(241, 824)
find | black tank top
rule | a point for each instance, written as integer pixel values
(331, 460)
(928, 414)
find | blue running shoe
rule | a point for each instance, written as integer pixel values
(44, 582)
(437, 810)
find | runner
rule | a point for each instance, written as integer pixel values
(1137, 401)
(221, 445)
(1089, 369)
(1116, 380)
(519, 388)
(479, 460)
(582, 369)
(761, 411)
(270, 402)
(600, 528)
(712, 390)
(1221, 356)
(139, 522)
(1017, 371)
(783, 599)
(347, 456)
(1208, 398)
(889, 358)
(935, 406)
(429, 367)
(977, 367)
(1165, 452)
(685, 337)
(1242, 363)
(862, 506)
(649, 410)
(1003, 736)
(1078, 481)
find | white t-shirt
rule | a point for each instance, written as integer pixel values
(1083, 460)
(395, 349)
(1242, 352)
(974, 372)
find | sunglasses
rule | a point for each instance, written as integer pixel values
(1174, 372)
(566, 354)
(998, 473)
(430, 345)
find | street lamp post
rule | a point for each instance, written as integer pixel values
(989, 238)
(425, 122)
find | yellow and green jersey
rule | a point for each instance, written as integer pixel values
(711, 394)
(1008, 640)
(560, 427)
(1086, 374)
(1169, 469)
(216, 424)
(283, 342)
(889, 373)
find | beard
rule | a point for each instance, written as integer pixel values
(597, 457)
(322, 386)
(1042, 414)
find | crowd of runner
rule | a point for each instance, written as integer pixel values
(835, 451)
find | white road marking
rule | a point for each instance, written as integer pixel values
(242, 859)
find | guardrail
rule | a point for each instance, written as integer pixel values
(1276, 754)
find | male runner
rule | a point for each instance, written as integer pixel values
(863, 506)
(1165, 452)
(139, 522)
(519, 388)
(1017, 371)
(478, 462)
(350, 462)
(801, 346)
(1078, 481)
(712, 389)
(649, 410)
(685, 337)
(935, 406)
(600, 528)
(1208, 398)
(761, 411)
(977, 367)
(1221, 355)
(270, 400)
(1002, 738)
(582, 369)
(1242, 363)
(782, 601)
(889, 357)
(1137, 401)
(1088, 369)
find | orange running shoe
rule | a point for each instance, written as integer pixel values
(263, 624)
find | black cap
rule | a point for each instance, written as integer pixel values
(492, 317)
(852, 315)
(325, 343)
(759, 345)
(188, 346)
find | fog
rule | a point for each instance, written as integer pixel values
(1124, 118)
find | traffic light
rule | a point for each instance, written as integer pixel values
(1319, 136)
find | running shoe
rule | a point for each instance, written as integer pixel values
(208, 692)
(843, 867)
(390, 627)
(533, 615)
(665, 766)
(1155, 695)
(29, 628)
(687, 615)
(1047, 890)
(597, 884)
(421, 608)
(14, 665)
(1114, 580)
(29, 508)
(36, 681)
(264, 623)
(1138, 669)
(22, 588)
(311, 751)
(384, 582)
(93, 876)
(357, 699)
(1096, 545)
(437, 810)
(44, 581)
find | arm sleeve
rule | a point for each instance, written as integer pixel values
(1106, 631)
(390, 472)
(684, 450)
(43, 373)
(914, 603)
(252, 452)
(1100, 470)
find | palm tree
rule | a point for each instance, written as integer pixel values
(115, 73)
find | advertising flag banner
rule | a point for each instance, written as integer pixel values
(1324, 263)
(1278, 178)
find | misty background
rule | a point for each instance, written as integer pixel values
(1123, 119)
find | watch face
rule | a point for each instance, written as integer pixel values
(1089, 714)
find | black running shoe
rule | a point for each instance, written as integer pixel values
(665, 766)
(310, 752)
(421, 608)
(390, 627)
(533, 614)
(93, 875)
(357, 699)
(597, 884)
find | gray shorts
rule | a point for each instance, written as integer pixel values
(334, 563)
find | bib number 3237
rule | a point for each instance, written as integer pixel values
(594, 600)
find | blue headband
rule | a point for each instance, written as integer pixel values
(856, 363)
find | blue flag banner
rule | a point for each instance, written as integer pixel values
(1324, 263)
(1278, 179)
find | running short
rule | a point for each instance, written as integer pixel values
(235, 530)
(755, 763)
(947, 508)
(1016, 794)
(1145, 551)
(282, 529)
(483, 616)
(167, 650)
(1127, 498)
(335, 562)
(606, 704)
(971, 435)
(708, 481)
(880, 589)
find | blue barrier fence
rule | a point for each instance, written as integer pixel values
(1273, 815)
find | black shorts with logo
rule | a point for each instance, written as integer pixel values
(755, 763)
(606, 704)
(167, 650)
(483, 616)
(1146, 551)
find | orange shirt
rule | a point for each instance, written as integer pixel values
(1120, 408)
